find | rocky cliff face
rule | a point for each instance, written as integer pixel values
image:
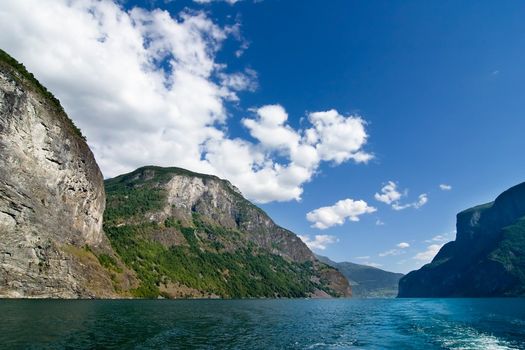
(204, 218)
(486, 259)
(51, 196)
(219, 203)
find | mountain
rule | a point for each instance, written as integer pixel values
(193, 235)
(487, 259)
(51, 197)
(172, 233)
(367, 281)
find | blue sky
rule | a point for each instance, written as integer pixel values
(439, 85)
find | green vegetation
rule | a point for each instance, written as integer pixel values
(239, 274)
(132, 203)
(109, 262)
(481, 207)
(511, 252)
(199, 256)
(487, 259)
(7, 60)
(155, 175)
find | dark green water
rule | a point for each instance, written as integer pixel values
(264, 324)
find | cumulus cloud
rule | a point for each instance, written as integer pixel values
(445, 187)
(390, 195)
(337, 138)
(145, 87)
(379, 223)
(336, 214)
(428, 254)
(396, 251)
(320, 242)
(252, 168)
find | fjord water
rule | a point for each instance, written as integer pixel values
(264, 324)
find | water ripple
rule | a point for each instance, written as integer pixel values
(492, 324)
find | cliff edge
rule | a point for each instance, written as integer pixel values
(52, 196)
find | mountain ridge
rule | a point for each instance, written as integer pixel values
(191, 218)
(487, 259)
(367, 281)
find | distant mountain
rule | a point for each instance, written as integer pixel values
(487, 259)
(367, 281)
(193, 235)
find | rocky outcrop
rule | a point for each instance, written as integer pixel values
(219, 203)
(487, 259)
(51, 196)
(178, 200)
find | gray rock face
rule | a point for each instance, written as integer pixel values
(51, 197)
(487, 259)
(220, 203)
(185, 195)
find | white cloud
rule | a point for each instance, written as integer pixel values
(390, 195)
(231, 2)
(429, 253)
(270, 128)
(391, 252)
(396, 251)
(442, 237)
(422, 199)
(336, 214)
(340, 138)
(366, 257)
(379, 222)
(398, 207)
(320, 242)
(445, 187)
(372, 264)
(145, 88)
(239, 81)
(245, 44)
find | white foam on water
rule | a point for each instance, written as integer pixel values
(466, 338)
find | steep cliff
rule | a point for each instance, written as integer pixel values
(487, 259)
(189, 234)
(51, 196)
